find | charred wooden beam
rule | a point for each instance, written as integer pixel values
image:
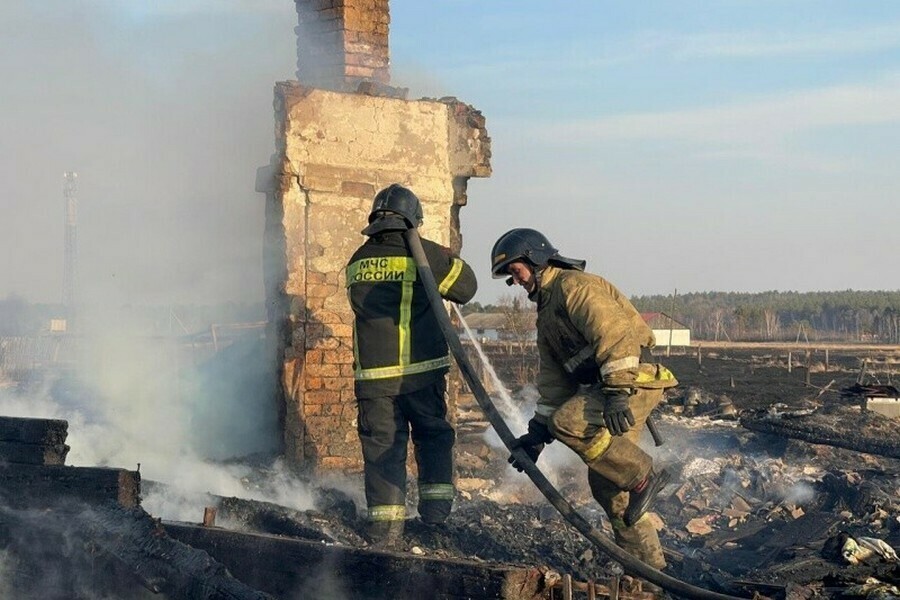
(33, 431)
(264, 517)
(291, 568)
(38, 486)
(80, 551)
(840, 427)
(33, 454)
(33, 441)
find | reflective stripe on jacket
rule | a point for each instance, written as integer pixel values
(398, 344)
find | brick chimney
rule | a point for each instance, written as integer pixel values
(341, 43)
(342, 133)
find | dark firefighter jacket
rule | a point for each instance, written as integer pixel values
(398, 344)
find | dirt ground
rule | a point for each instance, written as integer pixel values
(746, 513)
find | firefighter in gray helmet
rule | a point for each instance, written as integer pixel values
(595, 391)
(400, 364)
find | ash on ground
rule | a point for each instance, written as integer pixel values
(746, 512)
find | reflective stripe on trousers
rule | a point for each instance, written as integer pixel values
(436, 491)
(387, 512)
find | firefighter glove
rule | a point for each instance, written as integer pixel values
(532, 442)
(617, 412)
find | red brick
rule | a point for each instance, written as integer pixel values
(324, 424)
(340, 330)
(323, 370)
(326, 316)
(323, 342)
(335, 410)
(321, 397)
(337, 462)
(354, 71)
(337, 383)
(342, 356)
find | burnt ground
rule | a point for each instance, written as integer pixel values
(746, 512)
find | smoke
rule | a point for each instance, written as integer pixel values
(7, 566)
(165, 115)
(141, 402)
(799, 493)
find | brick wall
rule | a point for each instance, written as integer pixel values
(334, 151)
(341, 43)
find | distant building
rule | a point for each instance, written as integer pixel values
(667, 330)
(497, 326)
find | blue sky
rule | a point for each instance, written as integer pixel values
(732, 145)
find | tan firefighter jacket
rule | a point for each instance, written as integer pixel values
(589, 333)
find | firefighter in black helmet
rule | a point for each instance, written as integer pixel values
(596, 392)
(401, 360)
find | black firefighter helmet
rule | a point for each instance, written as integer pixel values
(531, 246)
(394, 208)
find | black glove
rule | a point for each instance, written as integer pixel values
(532, 443)
(616, 411)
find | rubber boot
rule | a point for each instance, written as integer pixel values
(385, 534)
(641, 498)
(641, 540)
(435, 512)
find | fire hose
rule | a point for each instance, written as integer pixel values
(631, 564)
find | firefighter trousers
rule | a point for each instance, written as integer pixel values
(384, 426)
(615, 463)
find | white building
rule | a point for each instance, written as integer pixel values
(667, 330)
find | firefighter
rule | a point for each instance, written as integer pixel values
(595, 391)
(401, 361)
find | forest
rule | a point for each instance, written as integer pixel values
(852, 316)
(845, 316)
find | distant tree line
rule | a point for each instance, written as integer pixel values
(783, 316)
(767, 316)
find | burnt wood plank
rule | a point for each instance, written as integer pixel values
(39, 486)
(33, 454)
(287, 567)
(841, 427)
(33, 431)
(108, 552)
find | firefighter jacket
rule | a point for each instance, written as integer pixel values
(398, 344)
(589, 333)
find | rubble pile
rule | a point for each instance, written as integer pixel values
(749, 511)
(746, 513)
(763, 513)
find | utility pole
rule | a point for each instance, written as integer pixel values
(70, 265)
(671, 322)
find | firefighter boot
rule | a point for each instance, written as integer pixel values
(385, 534)
(640, 540)
(642, 496)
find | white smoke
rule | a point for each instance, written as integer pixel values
(7, 566)
(133, 405)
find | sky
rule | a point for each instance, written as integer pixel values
(738, 145)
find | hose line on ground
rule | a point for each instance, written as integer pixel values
(631, 564)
